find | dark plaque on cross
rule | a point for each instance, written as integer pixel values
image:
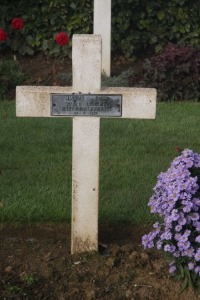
(86, 105)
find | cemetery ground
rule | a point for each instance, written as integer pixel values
(35, 201)
(36, 264)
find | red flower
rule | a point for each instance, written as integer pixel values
(62, 38)
(17, 23)
(3, 35)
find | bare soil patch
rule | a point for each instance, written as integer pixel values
(42, 70)
(36, 263)
(53, 71)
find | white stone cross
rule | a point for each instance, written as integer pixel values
(35, 101)
(102, 26)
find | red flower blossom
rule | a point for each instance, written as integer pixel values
(62, 38)
(17, 23)
(3, 35)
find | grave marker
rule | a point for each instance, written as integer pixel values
(86, 95)
(102, 26)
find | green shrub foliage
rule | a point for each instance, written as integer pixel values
(150, 25)
(122, 80)
(11, 75)
(137, 25)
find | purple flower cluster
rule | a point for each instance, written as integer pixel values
(176, 199)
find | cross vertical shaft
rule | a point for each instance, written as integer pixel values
(102, 26)
(86, 60)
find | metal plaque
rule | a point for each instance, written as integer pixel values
(86, 105)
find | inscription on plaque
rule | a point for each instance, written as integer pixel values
(86, 105)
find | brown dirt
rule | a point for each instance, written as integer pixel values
(42, 70)
(35, 261)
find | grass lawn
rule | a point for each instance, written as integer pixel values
(35, 163)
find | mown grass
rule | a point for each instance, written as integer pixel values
(35, 163)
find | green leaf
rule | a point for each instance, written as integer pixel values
(50, 3)
(160, 15)
(153, 39)
(38, 36)
(184, 285)
(29, 39)
(55, 50)
(73, 5)
(45, 44)
(26, 50)
(182, 274)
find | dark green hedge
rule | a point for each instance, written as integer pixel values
(138, 26)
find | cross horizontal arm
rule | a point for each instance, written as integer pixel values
(34, 101)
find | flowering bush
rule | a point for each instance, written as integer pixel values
(16, 24)
(176, 199)
(17, 41)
